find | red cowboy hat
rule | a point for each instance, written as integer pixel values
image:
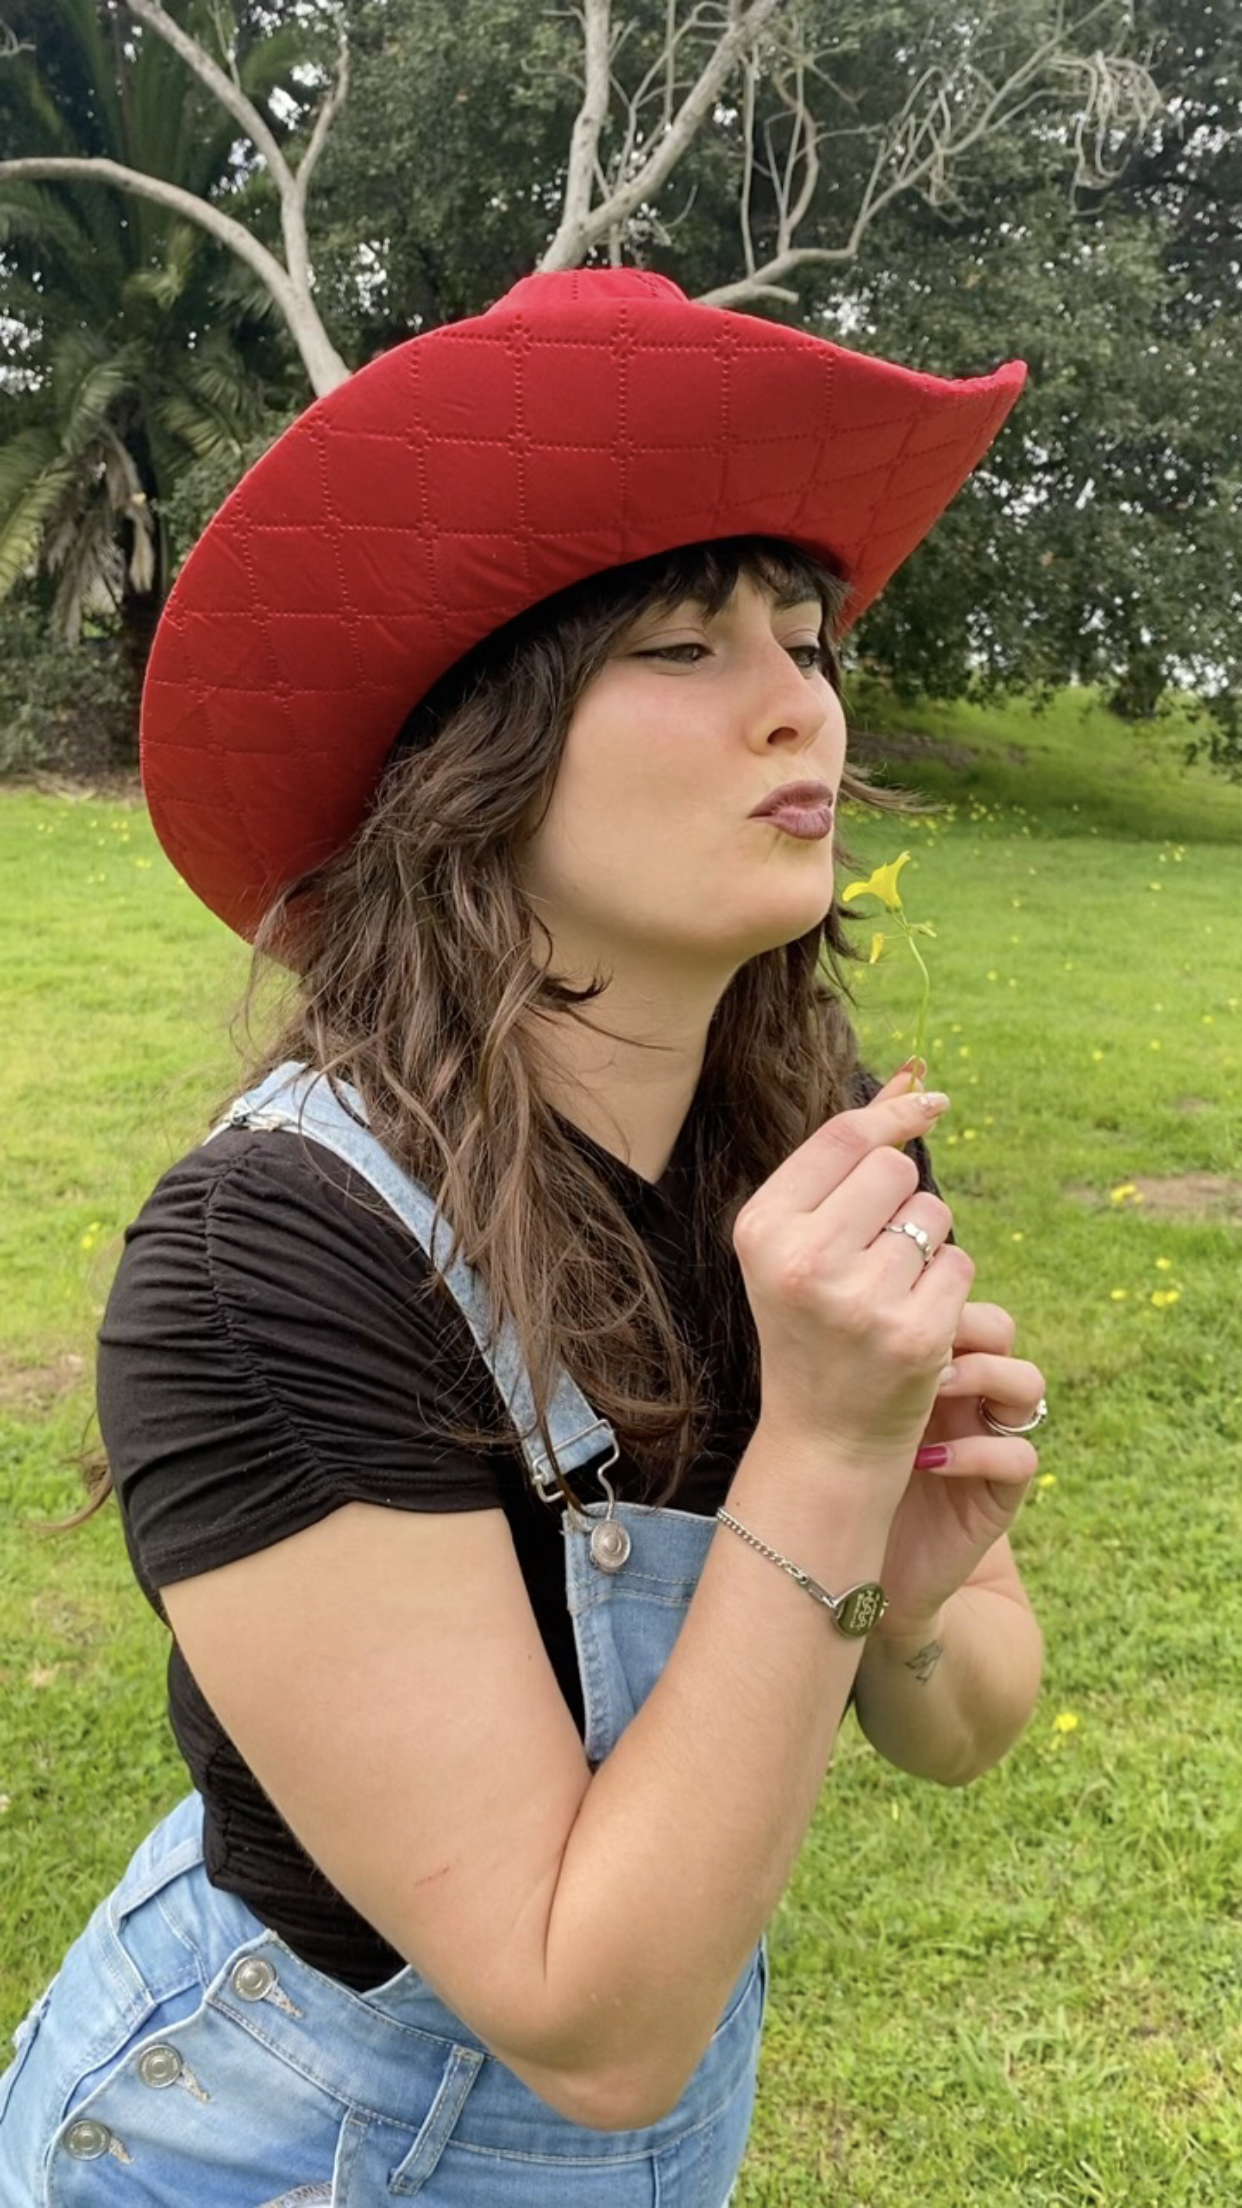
(585, 420)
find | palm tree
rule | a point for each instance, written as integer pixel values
(150, 348)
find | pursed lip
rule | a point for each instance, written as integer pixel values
(797, 795)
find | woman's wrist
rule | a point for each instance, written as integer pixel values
(905, 1644)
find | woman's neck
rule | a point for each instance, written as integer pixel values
(629, 1097)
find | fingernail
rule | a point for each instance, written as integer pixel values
(931, 1101)
(949, 1374)
(933, 1458)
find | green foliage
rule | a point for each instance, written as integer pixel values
(1098, 543)
(62, 707)
(136, 349)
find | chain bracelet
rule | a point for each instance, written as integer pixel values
(853, 1613)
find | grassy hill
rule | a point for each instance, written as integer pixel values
(1021, 1994)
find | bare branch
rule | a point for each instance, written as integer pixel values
(582, 226)
(293, 201)
(588, 123)
(749, 73)
(944, 116)
(11, 44)
(219, 83)
(323, 363)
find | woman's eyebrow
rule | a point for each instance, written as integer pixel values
(783, 601)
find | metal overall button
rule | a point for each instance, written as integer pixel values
(87, 2140)
(253, 1979)
(159, 2066)
(610, 1544)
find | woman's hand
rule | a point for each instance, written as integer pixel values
(854, 1328)
(957, 1506)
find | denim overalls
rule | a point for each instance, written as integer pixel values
(183, 2055)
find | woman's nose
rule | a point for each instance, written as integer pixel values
(787, 699)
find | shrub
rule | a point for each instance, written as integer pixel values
(64, 708)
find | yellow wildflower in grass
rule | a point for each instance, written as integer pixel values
(1047, 1479)
(1065, 1722)
(882, 885)
(1118, 1295)
(1164, 1264)
(1125, 1193)
(1163, 1297)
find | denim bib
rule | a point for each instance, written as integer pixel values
(183, 2053)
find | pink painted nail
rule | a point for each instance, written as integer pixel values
(934, 1458)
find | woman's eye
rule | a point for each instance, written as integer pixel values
(812, 658)
(683, 655)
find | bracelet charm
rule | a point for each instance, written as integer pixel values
(853, 1612)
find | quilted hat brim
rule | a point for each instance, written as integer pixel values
(586, 420)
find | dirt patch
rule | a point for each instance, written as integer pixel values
(1172, 1196)
(872, 748)
(111, 786)
(26, 1388)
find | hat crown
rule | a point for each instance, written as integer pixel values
(579, 286)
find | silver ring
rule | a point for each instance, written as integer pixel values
(916, 1233)
(994, 1426)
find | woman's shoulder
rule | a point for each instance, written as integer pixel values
(274, 1345)
(276, 1185)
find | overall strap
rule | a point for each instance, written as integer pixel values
(333, 1113)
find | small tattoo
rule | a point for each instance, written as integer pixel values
(925, 1662)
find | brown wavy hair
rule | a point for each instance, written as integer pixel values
(415, 979)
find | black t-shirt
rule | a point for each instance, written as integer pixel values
(269, 1352)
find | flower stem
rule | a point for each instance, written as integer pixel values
(920, 1030)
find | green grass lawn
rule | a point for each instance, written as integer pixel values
(1024, 1994)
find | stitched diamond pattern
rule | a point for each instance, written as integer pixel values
(586, 420)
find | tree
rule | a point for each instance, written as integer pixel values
(132, 348)
(765, 152)
(648, 84)
(1100, 540)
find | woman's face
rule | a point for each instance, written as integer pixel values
(648, 858)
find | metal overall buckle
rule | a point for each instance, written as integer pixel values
(609, 1544)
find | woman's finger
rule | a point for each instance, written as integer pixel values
(987, 1326)
(811, 1173)
(927, 1214)
(1011, 1386)
(1011, 1463)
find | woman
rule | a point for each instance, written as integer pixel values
(486, 1549)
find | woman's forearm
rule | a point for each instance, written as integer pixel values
(946, 1702)
(687, 1834)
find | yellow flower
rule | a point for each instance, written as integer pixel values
(1118, 1295)
(1164, 1264)
(1065, 1722)
(881, 884)
(1125, 1193)
(1163, 1297)
(1047, 1479)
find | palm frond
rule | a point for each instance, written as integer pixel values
(24, 519)
(166, 281)
(205, 434)
(88, 381)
